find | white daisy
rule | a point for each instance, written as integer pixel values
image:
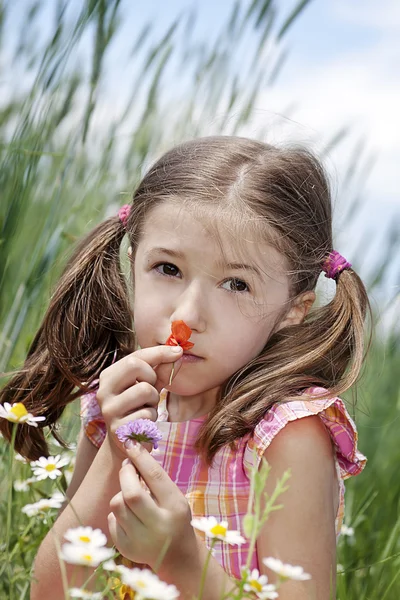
(258, 584)
(59, 496)
(17, 413)
(217, 530)
(146, 584)
(346, 530)
(78, 593)
(20, 458)
(85, 555)
(86, 536)
(48, 467)
(23, 486)
(269, 593)
(110, 565)
(67, 456)
(41, 507)
(286, 571)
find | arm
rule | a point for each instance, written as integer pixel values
(90, 492)
(121, 399)
(303, 531)
(85, 455)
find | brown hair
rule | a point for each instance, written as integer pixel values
(89, 317)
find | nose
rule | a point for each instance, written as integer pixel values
(190, 308)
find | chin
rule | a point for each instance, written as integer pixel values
(184, 389)
(190, 386)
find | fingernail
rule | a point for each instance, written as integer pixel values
(176, 348)
(125, 462)
(131, 444)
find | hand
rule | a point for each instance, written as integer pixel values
(129, 389)
(143, 524)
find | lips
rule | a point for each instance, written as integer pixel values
(186, 353)
(191, 358)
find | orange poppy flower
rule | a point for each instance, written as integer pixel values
(180, 335)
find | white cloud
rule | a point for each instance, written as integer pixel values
(383, 15)
(358, 89)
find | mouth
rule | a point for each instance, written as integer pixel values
(189, 357)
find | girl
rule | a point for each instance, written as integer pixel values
(229, 235)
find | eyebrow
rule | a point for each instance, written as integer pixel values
(220, 264)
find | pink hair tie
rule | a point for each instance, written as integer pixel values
(334, 264)
(123, 213)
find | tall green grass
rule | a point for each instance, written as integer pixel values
(63, 168)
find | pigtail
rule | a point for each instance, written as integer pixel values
(340, 328)
(88, 321)
(326, 350)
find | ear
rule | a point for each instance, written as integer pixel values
(298, 311)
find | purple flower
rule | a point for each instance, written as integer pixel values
(141, 430)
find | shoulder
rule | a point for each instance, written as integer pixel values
(314, 421)
(304, 448)
(301, 440)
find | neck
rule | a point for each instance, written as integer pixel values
(185, 408)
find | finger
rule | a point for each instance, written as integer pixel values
(159, 483)
(137, 500)
(117, 533)
(142, 395)
(138, 366)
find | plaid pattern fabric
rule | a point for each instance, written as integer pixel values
(223, 490)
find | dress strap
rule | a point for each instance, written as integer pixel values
(333, 414)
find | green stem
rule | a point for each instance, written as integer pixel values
(21, 536)
(9, 504)
(68, 501)
(172, 374)
(162, 554)
(204, 572)
(254, 532)
(63, 570)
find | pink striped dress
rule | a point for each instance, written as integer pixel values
(223, 490)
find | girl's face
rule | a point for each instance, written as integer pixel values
(231, 307)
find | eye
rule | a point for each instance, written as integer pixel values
(236, 285)
(167, 269)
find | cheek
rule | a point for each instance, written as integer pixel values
(146, 315)
(243, 343)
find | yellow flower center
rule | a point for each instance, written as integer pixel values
(84, 538)
(87, 557)
(255, 585)
(218, 530)
(126, 593)
(50, 467)
(19, 410)
(114, 582)
(141, 584)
